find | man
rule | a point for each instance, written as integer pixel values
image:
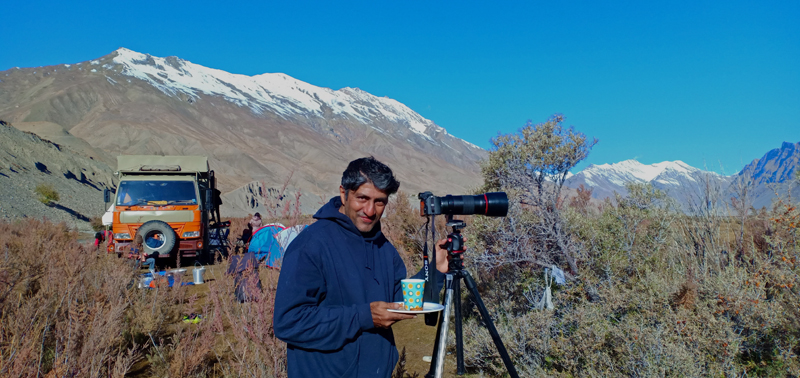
(339, 278)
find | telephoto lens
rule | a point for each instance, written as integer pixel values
(493, 204)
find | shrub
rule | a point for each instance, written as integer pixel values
(532, 165)
(658, 294)
(63, 308)
(97, 224)
(66, 310)
(46, 194)
(655, 292)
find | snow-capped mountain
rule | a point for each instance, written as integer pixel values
(269, 129)
(676, 178)
(773, 173)
(271, 93)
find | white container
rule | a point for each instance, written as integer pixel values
(144, 282)
(197, 274)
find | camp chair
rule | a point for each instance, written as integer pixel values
(218, 239)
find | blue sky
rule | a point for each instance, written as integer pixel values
(715, 84)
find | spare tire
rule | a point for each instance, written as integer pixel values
(158, 237)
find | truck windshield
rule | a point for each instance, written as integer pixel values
(132, 193)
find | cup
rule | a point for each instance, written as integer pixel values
(413, 289)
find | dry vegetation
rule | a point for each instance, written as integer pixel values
(69, 310)
(650, 291)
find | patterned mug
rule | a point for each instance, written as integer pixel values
(413, 290)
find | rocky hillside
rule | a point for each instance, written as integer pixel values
(773, 173)
(27, 160)
(269, 128)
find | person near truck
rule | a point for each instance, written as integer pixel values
(339, 278)
(99, 238)
(148, 259)
(255, 222)
(137, 247)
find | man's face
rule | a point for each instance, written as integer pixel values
(364, 206)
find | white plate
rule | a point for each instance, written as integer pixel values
(426, 308)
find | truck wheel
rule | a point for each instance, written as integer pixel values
(158, 237)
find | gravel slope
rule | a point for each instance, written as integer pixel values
(27, 160)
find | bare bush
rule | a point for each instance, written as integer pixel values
(62, 307)
(664, 306)
(532, 165)
(67, 310)
(244, 344)
(661, 293)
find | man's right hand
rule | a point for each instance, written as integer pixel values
(382, 318)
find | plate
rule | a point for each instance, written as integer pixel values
(426, 308)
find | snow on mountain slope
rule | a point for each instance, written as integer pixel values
(631, 171)
(672, 176)
(274, 92)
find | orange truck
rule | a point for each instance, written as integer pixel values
(171, 201)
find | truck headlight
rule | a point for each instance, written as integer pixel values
(123, 235)
(191, 234)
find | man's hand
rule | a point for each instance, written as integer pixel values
(383, 318)
(442, 257)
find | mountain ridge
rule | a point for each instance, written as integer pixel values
(773, 173)
(133, 103)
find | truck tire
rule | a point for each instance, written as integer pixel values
(160, 231)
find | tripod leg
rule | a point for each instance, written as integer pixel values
(448, 304)
(459, 333)
(441, 330)
(435, 355)
(490, 325)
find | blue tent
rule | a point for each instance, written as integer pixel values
(265, 245)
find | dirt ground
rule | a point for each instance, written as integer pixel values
(412, 334)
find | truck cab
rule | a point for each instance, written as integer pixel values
(171, 201)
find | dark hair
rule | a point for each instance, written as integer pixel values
(364, 170)
(257, 215)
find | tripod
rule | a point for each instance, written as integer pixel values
(455, 248)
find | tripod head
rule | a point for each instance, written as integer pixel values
(455, 241)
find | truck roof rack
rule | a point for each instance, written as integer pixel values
(133, 164)
(159, 168)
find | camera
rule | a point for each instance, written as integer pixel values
(493, 204)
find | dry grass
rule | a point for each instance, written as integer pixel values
(656, 293)
(68, 310)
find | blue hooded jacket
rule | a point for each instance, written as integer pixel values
(330, 274)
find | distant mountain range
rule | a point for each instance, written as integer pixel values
(773, 173)
(264, 130)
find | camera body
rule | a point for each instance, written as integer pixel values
(493, 204)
